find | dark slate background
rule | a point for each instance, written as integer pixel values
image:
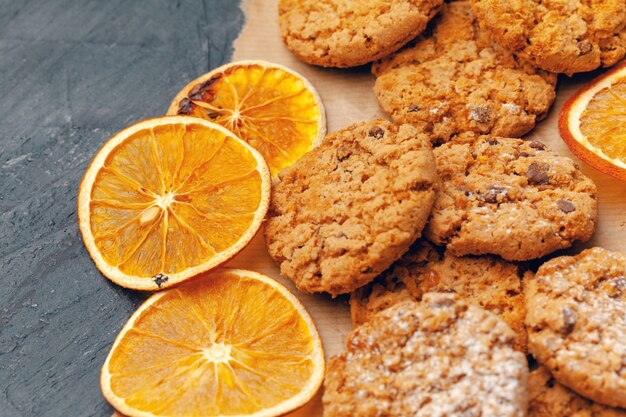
(72, 73)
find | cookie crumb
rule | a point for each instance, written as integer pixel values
(480, 114)
(512, 108)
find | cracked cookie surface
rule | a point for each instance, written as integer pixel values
(563, 36)
(440, 357)
(349, 208)
(576, 322)
(458, 80)
(548, 398)
(510, 197)
(487, 281)
(348, 33)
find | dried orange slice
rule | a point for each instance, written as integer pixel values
(274, 109)
(169, 198)
(234, 343)
(593, 123)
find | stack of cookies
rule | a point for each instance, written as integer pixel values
(428, 221)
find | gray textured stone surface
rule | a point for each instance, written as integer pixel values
(71, 74)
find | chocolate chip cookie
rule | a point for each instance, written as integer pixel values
(548, 398)
(487, 281)
(510, 197)
(458, 80)
(338, 33)
(349, 208)
(563, 36)
(576, 320)
(440, 357)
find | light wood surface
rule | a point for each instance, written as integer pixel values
(348, 97)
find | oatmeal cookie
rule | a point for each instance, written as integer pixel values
(440, 357)
(348, 209)
(487, 281)
(576, 321)
(563, 36)
(339, 33)
(548, 398)
(458, 80)
(510, 197)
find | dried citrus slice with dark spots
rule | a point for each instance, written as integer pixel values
(274, 109)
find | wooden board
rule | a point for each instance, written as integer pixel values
(348, 97)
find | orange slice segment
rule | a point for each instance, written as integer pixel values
(169, 198)
(233, 343)
(593, 123)
(274, 109)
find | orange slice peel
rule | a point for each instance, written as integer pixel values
(271, 107)
(593, 123)
(231, 343)
(169, 198)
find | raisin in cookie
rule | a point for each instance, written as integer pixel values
(458, 80)
(563, 36)
(440, 357)
(339, 33)
(348, 209)
(576, 320)
(510, 197)
(548, 398)
(487, 281)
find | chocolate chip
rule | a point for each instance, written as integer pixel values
(535, 144)
(569, 321)
(493, 141)
(491, 196)
(481, 114)
(537, 175)
(376, 132)
(524, 154)
(616, 287)
(584, 47)
(185, 106)
(498, 188)
(160, 279)
(565, 206)
(413, 108)
(343, 153)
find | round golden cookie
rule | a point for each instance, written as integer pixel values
(509, 197)
(457, 80)
(563, 36)
(340, 33)
(440, 357)
(487, 281)
(576, 320)
(349, 208)
(548, 398)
